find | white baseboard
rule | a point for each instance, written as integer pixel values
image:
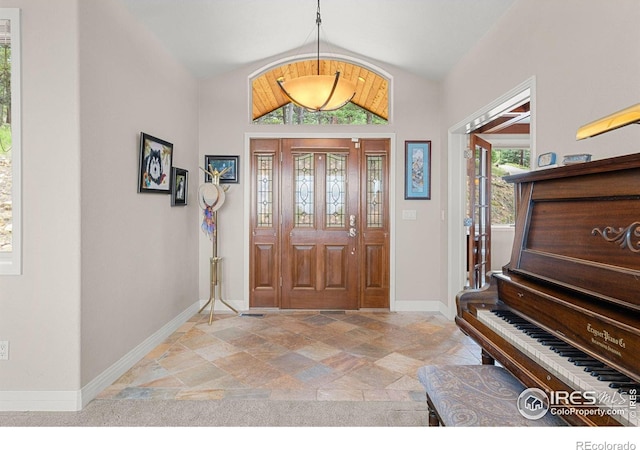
(76, 400)
(433, 306)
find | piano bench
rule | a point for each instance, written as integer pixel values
(482, 395)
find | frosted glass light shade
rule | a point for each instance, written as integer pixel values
(319, 92)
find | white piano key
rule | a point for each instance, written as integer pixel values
(560, 366)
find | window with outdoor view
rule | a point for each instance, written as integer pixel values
(10, 224)
(369, 105)
(506, 162)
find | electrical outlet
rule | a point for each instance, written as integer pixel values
(4, 350)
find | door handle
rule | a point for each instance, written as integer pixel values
(352, 224)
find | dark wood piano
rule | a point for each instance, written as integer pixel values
(564, 313)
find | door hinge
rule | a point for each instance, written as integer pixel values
(280, 281)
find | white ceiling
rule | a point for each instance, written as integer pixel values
(425, 37)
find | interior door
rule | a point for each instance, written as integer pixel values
(479, 211)
(320, 256)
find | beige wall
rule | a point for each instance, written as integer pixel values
(585, 58)
(139, 254)
(40, 309)
(104, 266)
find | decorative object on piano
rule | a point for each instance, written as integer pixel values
(155, 161)
(611, 122)
(179, 186)
(546, 159)
(211, 197)
(626, 238)
(576, 159)
(220, 163)
(417, 170)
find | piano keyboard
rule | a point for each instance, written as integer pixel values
(572, 366)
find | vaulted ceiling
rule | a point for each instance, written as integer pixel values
(424, 37)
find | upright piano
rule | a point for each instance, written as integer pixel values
(563, 315)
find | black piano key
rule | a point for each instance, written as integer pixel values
(625, 388)
(613, 377)
(592, 364)
(567, 353)
(583, 358)
(561, 346)
(596, 372)
(550, 340)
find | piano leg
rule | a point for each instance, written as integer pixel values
(434, 420)
(487, 358)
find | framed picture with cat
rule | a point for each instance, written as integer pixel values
(156, 158)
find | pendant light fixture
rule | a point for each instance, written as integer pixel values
(319, 92)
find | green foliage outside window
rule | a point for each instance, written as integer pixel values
(350, 114)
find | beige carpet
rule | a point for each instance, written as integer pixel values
(227, 413)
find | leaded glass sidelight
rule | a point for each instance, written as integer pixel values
(375, 197)
(336, 184)
(264, 200)
(303, 166)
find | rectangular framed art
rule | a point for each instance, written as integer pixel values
(417, 170)
(219, 163)
(179, 186)
(156, 157)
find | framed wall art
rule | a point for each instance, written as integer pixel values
(417, 170)
(179, 186)
(220, 163)
(156, 157)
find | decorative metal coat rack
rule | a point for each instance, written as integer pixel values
(215, 262)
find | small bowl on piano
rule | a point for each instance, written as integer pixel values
(576, 159)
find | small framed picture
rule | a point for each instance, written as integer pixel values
(179, 186)
(230, 165)
(156, 156)
(417, 170)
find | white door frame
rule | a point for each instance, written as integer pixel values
(353, 136)
(458, 139)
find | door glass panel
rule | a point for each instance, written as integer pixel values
(264, 201)
(375, 199)
(303, 168)
(336, 183)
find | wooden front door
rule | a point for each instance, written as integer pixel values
(319, 229)
(320, 235)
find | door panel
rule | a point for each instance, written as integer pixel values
(264, 256)
(374, 224)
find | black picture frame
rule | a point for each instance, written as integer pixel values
(220, 163)
(179, 186)
(417, 170)
(155, 164)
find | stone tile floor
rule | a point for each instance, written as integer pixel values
(310, 355)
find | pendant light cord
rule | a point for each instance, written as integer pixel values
(318, 22)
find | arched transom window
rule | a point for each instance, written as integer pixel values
(370, 103)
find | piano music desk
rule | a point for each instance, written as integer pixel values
(473, 396)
